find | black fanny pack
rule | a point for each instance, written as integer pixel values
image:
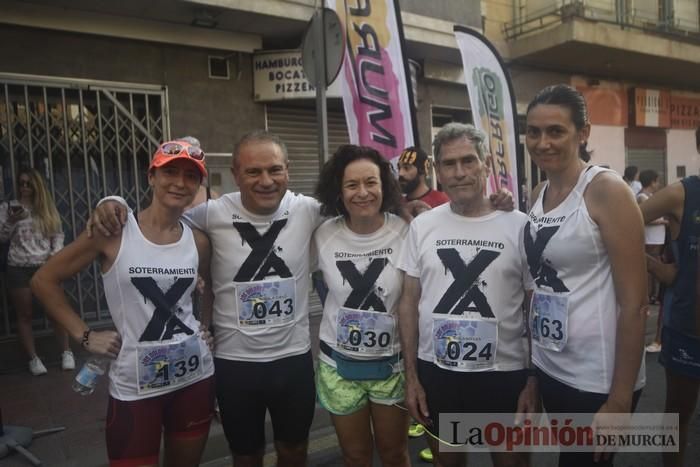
(362, 370)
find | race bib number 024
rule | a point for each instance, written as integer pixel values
(166, 366)
(465, 344)
(549, 320)
(266, 304)
(365, 332)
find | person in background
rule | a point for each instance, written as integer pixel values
(680, 352)
(654, 231)
(413, 168)
(32, 227)
(204, 192)
(631, 177)
(162, 374)
(586, 256)
(357, 252)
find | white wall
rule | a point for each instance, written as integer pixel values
(681, 150)
(608, 146)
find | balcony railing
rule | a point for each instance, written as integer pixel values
(604, 11)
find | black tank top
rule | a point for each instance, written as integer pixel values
(685, 300)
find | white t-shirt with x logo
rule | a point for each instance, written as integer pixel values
(473, 275)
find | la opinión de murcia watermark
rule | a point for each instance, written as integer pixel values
(641, 432)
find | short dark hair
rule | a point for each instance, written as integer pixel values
(330, 180)
(565, 96)
(630, 172)
(255, 137)
(647, 177)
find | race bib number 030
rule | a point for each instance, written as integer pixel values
(365, 332)
(465, 344)
(266, 304)
(549, 320)
(166, 366)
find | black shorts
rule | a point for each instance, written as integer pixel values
(680, 353)
(469, 392)
(18, 277)
(246, 390)
(558, 397)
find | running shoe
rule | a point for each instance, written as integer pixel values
(416, 430)
(654, 347)
(67, 361)
(36, 367)
(426, 455)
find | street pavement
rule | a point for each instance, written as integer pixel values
(48, 401)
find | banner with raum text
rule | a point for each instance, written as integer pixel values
(377, 94)
(493, 105)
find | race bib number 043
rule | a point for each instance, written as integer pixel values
(465, 344)
(365, 332)
(166, 366)
(266, 304)
(549, 320)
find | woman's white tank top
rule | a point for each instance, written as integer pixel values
(574, 293)
(149, 295)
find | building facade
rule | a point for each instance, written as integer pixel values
(637, 62)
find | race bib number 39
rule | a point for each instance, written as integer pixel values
(166, 366)
(365, 332)
(549, 320)
(265, 304)
(465, 344)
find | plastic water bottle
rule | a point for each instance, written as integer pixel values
(86, 379)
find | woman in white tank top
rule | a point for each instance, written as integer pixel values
(161, 374)
(585, 248)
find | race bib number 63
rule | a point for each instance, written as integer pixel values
(549, 320)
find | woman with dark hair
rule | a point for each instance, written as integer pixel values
(32, 227)
(359, 378)
(161, 377)
(586, 255)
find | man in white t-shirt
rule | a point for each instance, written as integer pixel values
(461, 322)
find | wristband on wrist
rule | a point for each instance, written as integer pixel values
(86, 339)
(531, 371)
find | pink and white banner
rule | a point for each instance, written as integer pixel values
(375, 85)
(493, 106)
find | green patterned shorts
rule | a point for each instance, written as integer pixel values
(342, 396)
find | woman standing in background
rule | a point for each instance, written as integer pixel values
(32, 227)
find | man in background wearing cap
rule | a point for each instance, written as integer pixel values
(413, 168)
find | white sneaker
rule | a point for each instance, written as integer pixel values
(67, 360)
(36, 368)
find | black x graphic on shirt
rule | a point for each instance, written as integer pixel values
(543, 273)
(464, 290)
(363, 296)
(262, 261)
(163, 324)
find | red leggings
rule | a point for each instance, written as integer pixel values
(134, 427)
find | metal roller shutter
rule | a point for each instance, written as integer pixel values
(297, 128)
(649, 159)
